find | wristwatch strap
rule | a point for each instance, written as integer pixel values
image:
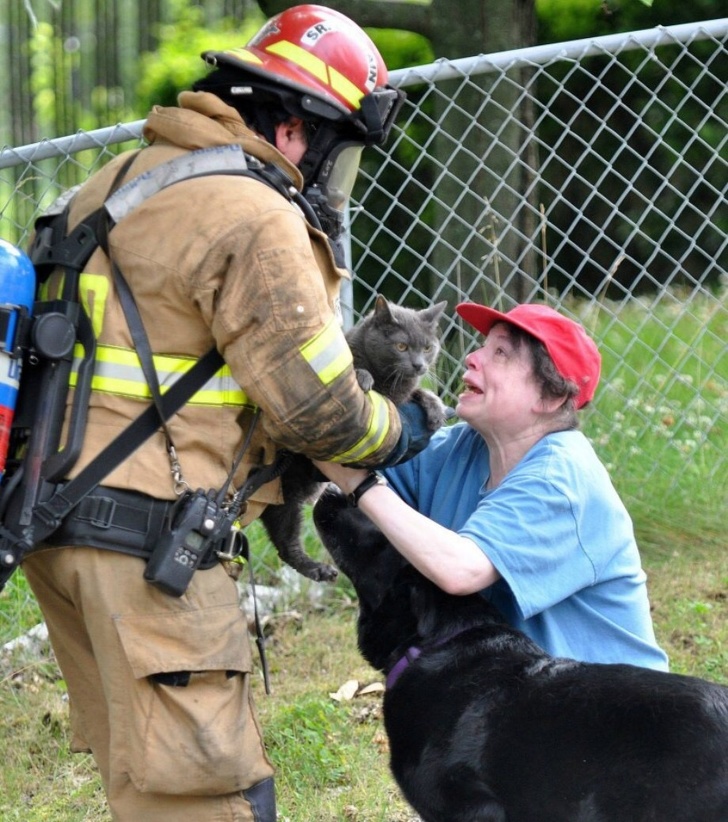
(368, 482)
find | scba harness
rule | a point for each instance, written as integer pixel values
(36, 504)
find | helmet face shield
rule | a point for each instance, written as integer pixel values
(331, 162)
(329, 190)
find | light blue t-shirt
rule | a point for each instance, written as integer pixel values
(557, 532)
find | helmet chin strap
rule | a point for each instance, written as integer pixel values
(320, 145)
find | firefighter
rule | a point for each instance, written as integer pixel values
(159, 685)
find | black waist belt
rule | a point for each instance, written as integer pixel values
(117, 520)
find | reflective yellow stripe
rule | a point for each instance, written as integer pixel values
(316, 66)
(44, 289)
(328, 353)
(118, 371)
(93, 290)
(376, 431)
(290, 51)
(345, 88)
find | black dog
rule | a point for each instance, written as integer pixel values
(485, 727)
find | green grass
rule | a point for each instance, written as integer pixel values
(331, 756)
(658, 422)
(659, 416)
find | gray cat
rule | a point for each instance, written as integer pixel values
(393, 348)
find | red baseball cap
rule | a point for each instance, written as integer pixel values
(574, 353)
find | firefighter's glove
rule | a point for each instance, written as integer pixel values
(414, 437)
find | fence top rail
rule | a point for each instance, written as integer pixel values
(441, 69)
(73, 143)
(444, 69)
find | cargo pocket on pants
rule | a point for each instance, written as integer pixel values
(191, 729)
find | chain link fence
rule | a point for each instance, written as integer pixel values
(589, 175)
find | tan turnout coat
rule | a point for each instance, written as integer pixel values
(225, 261)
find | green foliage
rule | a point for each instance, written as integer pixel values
(561, 20)
(401, 49)
(42, 78)
(53, 68)
(19, 611)
(177, 64)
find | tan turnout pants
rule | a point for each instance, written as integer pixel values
(167, 753)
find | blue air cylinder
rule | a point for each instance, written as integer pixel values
(17, 293)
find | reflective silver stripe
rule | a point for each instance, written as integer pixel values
(328, 353)
(204, 161)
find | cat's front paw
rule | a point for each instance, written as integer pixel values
(436, 412)
(365, 379)
(323, 573)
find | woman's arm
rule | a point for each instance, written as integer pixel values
(454, 563)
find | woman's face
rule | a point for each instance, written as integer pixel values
(501, 394)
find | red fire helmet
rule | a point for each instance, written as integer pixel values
(324, 58)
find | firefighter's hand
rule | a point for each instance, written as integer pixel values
(415, 435)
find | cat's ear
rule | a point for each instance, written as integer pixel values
(434, 312)
(381, 306)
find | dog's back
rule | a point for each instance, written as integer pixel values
(554, 739)
(485, 727)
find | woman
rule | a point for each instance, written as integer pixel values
(513, 501)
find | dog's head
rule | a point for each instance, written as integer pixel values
(397, 605)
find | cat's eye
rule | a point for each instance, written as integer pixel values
(401, 346)
(428, 348)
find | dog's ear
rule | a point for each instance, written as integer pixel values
(437, 613)
(422, 603)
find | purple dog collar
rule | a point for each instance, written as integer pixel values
(410, 655)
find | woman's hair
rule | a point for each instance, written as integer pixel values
(553, 385)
